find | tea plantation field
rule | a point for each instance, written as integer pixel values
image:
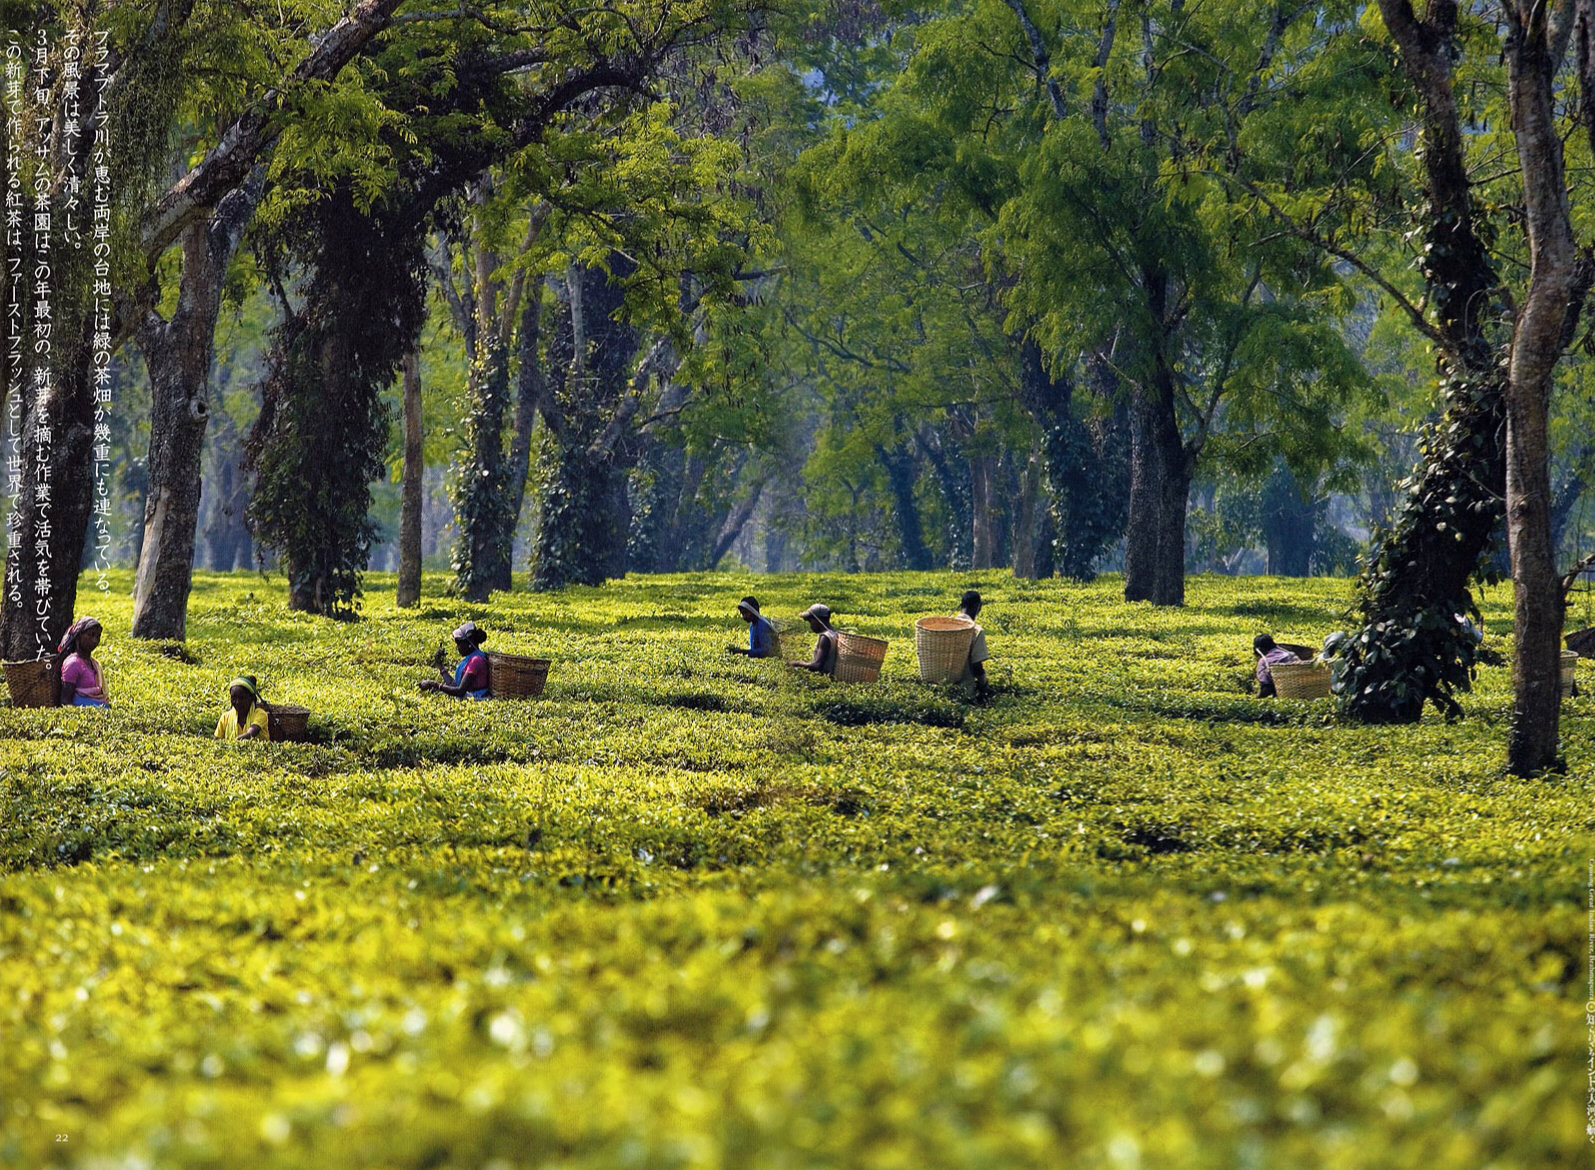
(688, 910)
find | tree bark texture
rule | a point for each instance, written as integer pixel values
(409, 591)
(54, 508)
(1160, 487)
(179, 354)
(54, 397)
(1558, 281)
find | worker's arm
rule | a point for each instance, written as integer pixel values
(822, 654)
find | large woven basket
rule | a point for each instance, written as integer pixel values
(1582, 643)
(1569, 672)
(942, 646)
(1301, 680)
(858, 659)
(288, 724)
(515, 676)
(33, 684)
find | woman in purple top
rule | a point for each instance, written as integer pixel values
(1269, 655)
(471, 676)
(82, 678)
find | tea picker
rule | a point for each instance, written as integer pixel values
(82, 678)
(762, 639)
(1270, 654)
(471, 677)
(825, 650)
(247, 717)
(969, 606)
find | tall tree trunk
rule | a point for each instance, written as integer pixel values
(735, 522)
(487, 530)
(1087, 468)
(528, 397)
(1290, 523)
(409, 592)
(1410, 650)
(54, 394)
(585, 518)
(1027, 520)
(42, 567)
(178, 354)
(1160, 486)
(953, 476)
(1558, 282)
(902, 475)
(983, 511)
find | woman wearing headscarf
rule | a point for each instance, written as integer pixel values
(247, 718)
(471, 676)
(82, 678)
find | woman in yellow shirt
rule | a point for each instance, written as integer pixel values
(247, 713)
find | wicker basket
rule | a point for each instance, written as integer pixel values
(288, 724)
(33, 684)
(1301, 680)
(858, 659)
(1582, 643)
(515, 676)
(942, 646)
(1569, 672)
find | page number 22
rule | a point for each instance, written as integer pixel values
(61, 1137)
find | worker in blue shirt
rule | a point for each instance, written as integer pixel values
(762, 639)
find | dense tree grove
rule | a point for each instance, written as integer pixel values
(1030, 285)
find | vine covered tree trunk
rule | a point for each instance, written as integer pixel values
(1411, 649)
(1087, 467)
(409, 591)
(585, 518)
(498, 321)
(487, 529)
(319, 442)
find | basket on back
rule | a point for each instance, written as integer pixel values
(858, 659)
(286, 723)
(1582, 643)
(33, 684)
(515, 676)
(1301, 680)
(942, 646)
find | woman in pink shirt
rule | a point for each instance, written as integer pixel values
(82, 678)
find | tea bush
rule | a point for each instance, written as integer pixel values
(688, 910)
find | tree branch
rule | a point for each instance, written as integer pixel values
(231, 159)
(1041, 58)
